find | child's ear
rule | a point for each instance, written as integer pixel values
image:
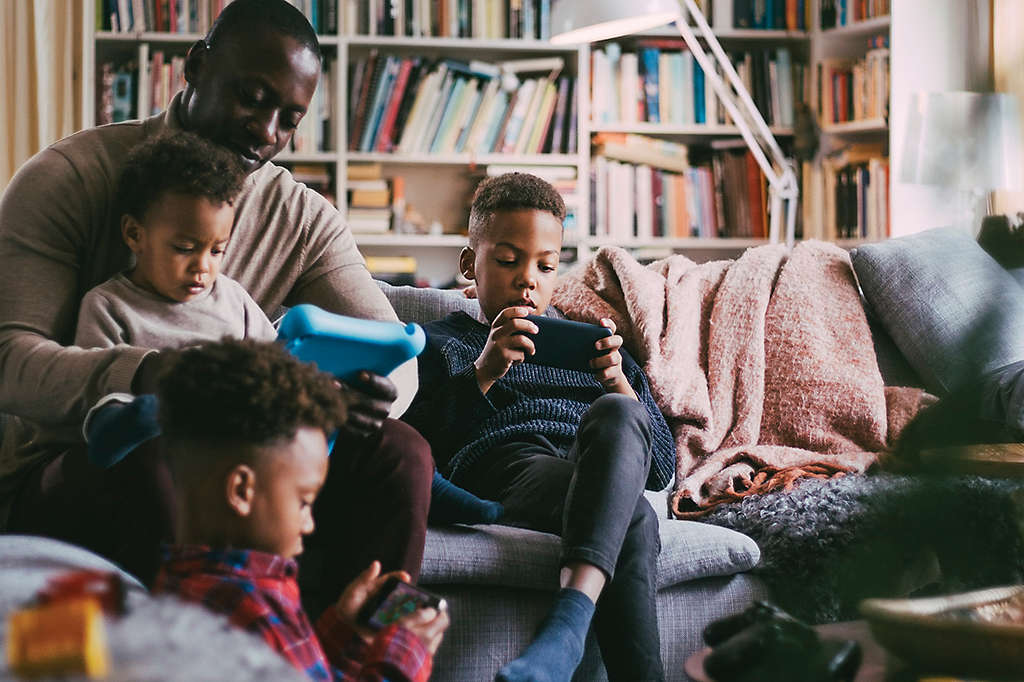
(131, 231)
(241, 489)
(467, 260)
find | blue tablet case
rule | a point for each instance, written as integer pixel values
(344, 346)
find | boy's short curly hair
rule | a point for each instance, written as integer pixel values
(179, 162)
(511, 192)
(244, 392)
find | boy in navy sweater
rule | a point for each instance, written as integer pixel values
(565, 451)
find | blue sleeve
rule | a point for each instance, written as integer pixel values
(663, 443)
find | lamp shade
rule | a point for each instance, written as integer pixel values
(964, 140)
(587, 21)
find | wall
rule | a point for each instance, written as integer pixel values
(937, 45)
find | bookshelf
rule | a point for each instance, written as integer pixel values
(438, 184)
(847, 189)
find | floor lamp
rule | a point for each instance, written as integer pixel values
(968, 142)
(586, 21)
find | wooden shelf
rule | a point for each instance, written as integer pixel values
(165, 37)
(859, 28)
(466, 159)
(695, 243)
(695, 130)
(462, 44)
(306, 157)
(869, 126)
(731, 34)
(416, 240)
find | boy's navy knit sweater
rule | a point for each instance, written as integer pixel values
(462, 424)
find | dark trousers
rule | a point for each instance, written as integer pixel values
(592, 496)
(372, 506)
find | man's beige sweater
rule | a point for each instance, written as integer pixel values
(60, 236)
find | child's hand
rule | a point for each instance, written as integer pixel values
(428, 625)
(505, 346)
(358, 591)
(608, 366)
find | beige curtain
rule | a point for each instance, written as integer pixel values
(1008, 72)
(40, 75)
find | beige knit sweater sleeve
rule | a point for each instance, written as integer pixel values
(48, 220)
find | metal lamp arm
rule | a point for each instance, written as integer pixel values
(782, 183)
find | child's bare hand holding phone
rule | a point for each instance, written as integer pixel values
(373, 601)
(508, 343)
(608, 366)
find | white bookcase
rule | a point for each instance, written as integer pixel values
(439, 186)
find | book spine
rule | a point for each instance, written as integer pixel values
(649, 62)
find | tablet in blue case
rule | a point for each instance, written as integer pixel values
(344, 346)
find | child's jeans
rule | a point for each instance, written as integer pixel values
(592, 496)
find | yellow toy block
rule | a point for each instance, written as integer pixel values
(56, 639)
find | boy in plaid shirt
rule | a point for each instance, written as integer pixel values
(245, 426)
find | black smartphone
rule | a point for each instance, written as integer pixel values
(394, 599)
(565, 343)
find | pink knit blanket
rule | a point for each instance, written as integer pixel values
(763, 366)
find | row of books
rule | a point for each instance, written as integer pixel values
(413, 105)
(854, 90)
(856, 193)
(789, 15)
(193, 16)
(124, 91)
(663, 83)
(846, 196)
(484, 19)
(644, 188)
(835, 13)
(315, 132)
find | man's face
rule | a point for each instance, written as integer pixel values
(248, 93)
(515, 262)
(288, 479)
(179, 245)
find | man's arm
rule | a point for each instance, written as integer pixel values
(351, 291)
(45, 240)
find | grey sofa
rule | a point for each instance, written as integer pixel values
(929, 297)
(499, 581)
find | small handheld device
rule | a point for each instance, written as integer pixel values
(396, 598)
(566, 344)
(344, 346)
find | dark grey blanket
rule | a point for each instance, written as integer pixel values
(827, 544)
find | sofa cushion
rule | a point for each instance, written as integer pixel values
(952, 310)
(515, 557)
(422, 305)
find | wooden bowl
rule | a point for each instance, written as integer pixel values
(978, 633)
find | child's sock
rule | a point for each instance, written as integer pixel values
(557, 649)
(451, 504)
(115, 429)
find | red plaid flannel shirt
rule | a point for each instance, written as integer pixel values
(258, 592)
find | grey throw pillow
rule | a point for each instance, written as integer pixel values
(953, 311)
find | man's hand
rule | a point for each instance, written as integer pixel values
(369, 399)
(358, 591)
(508, 343)
(428, 625)
(608, 367)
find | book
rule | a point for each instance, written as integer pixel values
(384, 142)
(649, 68)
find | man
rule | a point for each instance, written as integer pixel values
(249, 82)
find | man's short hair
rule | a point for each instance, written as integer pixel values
(249, 16)
(511, 192)
(181, 162)
(243, 393)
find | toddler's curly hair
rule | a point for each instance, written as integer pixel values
(511, 192)
(244, 392)
(181, 162)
